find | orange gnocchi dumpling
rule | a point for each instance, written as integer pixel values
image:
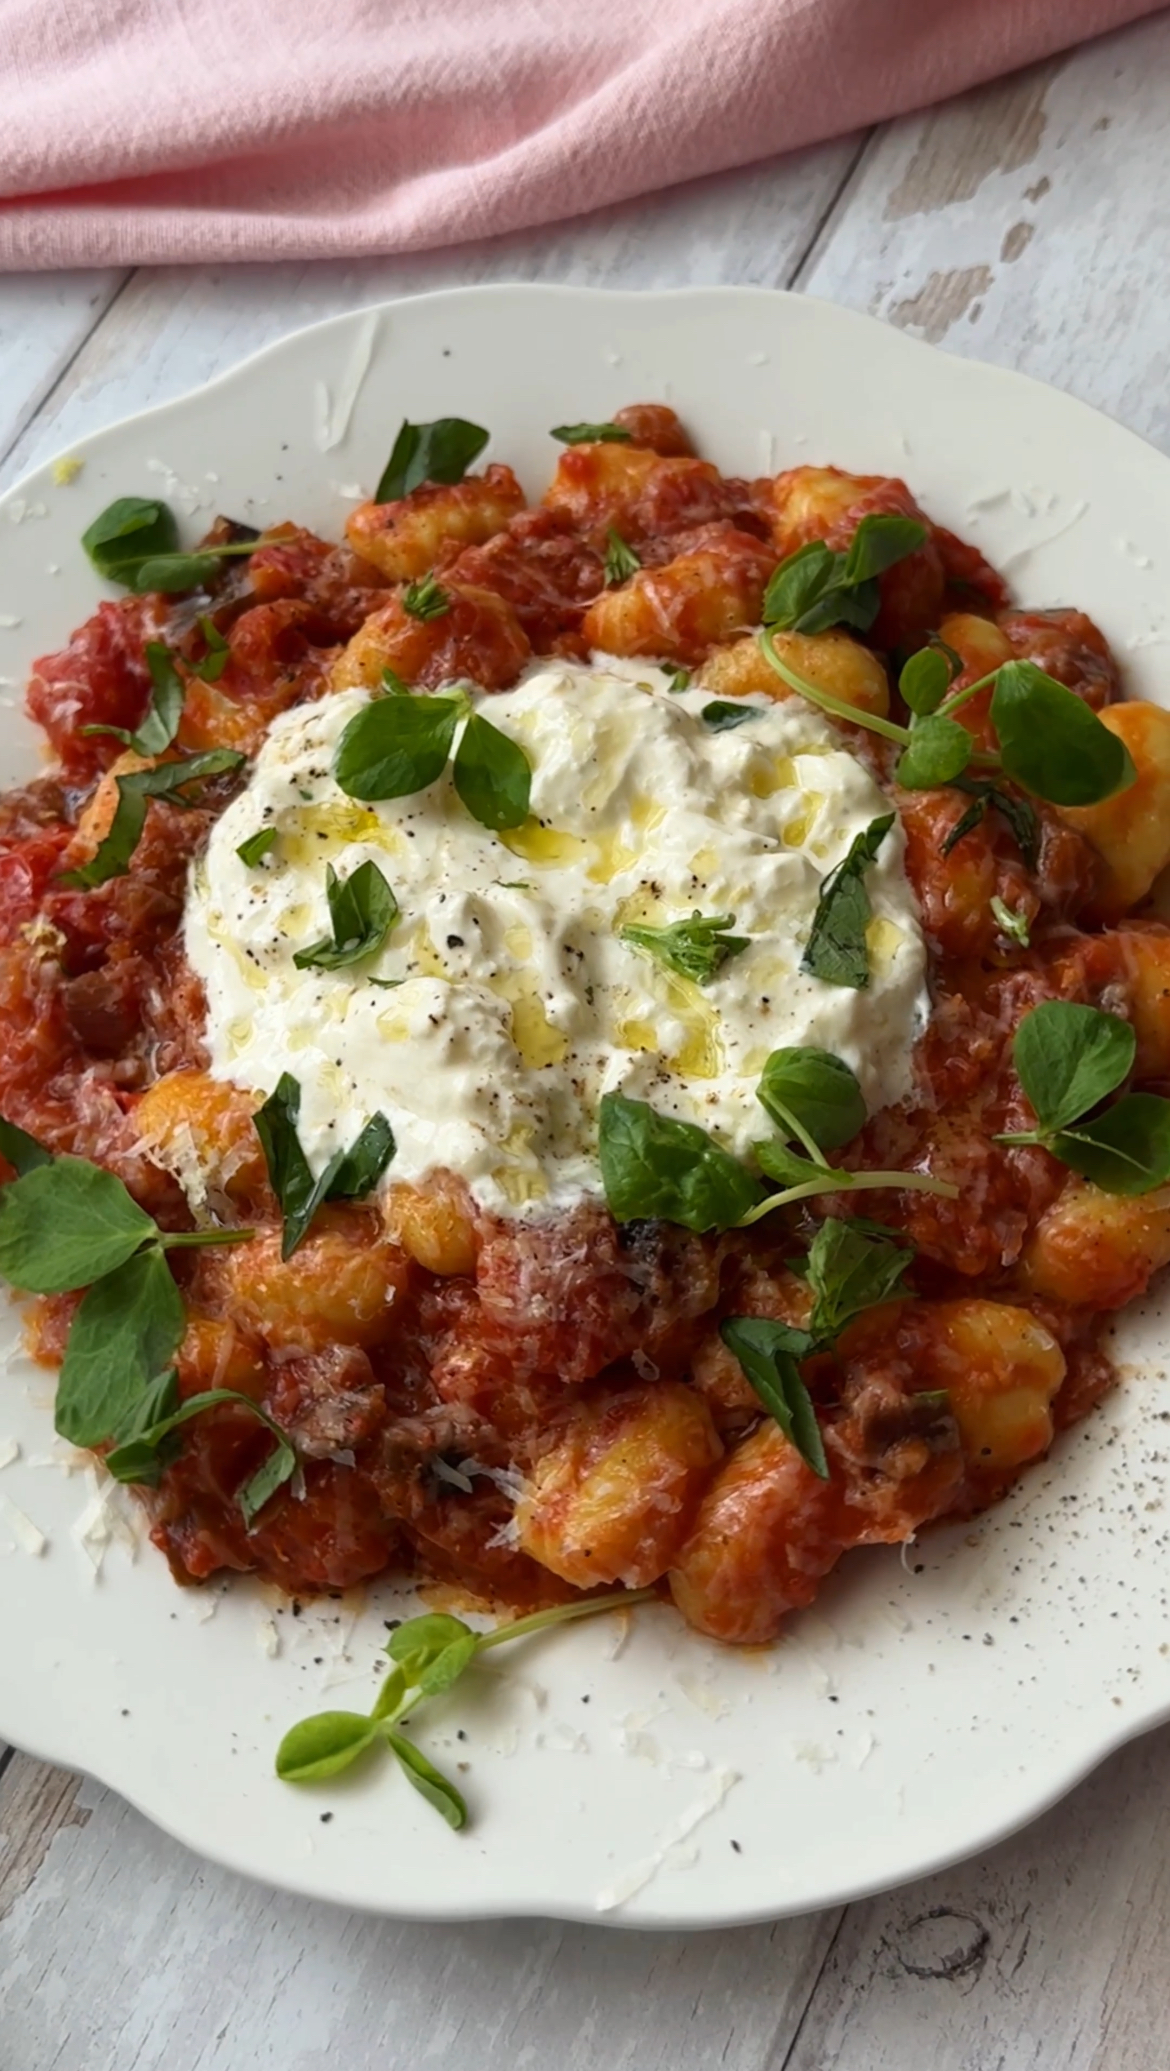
(406, 538)
(613, 1498)
(476, 636)
(607, 486)
(710, 592)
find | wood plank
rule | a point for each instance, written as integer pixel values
(1026, 223)
(174, 328)
(45, 319)
(123, 1950)
(1048, 1953)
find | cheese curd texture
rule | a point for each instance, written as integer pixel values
(520, 1006)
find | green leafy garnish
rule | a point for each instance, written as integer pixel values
(257, 846)
(348, 1176)
(927, 677)
(678, 679)
(836, 951)
(1011, 921)
(696, 948)
(428, 1655)
(66, 1224)
(722, 714)
(848, 1272)
(168, 781)
(492, 775)
(813, 1096)
(1050, 742)
(1069, 1058)
(1020, 816)
(397, 746)
(217, 656)
(160, 724)
(620, 560)
(426, 599)
(438, 452)
(143, 1450)
(815, 588)
(770, 1354)
(655, 1167)
(362, 911)
(135, 542)
(591, 434)
(394, 685)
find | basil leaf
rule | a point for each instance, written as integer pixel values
(1067, 1058)
(768, 1353)
(161, 724)
(22, 1150)
(357, 1172)
(324, 1745)
(1010, 921)
(362, 911)
(426, 599)
(721, 715)
(438, 452)
(939, 751)
(218, 655)
(678, 679)
(1019, 814)
(288, 1168)
(172, 573)
(279, 1467)
(426, 1778)
(136, 1457)
(798, 583)
(394, 686)
(167, 781)
(849, 1272)
(64, 1224)
(127, 1330)
(925, 681)
(620, 560)
(836, 950)
(812, 1094)
(591, 434)
(655, 1167)
(396, 746)
(696, 948)
(881, 540)
(257, 846)
(127, 530)
(492, 775)
(1051, 743)
(1124, 1151)
(349, 1173)
(426, 1637)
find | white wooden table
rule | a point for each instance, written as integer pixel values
(1026, 223)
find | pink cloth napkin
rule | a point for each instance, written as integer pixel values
(164, 130)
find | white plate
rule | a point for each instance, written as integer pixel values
(927, 1705)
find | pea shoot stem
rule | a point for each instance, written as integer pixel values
(844, 1182)
(173, 1238)
(836, 707)
(563, 1614)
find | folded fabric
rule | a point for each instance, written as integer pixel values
(215, 129)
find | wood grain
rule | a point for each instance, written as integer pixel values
(1026, 224)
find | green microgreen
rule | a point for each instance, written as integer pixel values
(620, 559)
(815, 588)
(426, 599)
(591, 434)
(134, 542)
(1069, 1058)
(837, 951)
(349, 1175)
(362, 911)
(168, 781)
(696, 948)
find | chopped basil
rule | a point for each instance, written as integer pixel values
(1011, 921)
(426, 599)
(620, 560)
(217, 656)
(591, 434)
(362, 911)
(257, 846)
(349, 1175)
(492, 775)
(396, 746)
(837, 951)
(158, 727)
(722, 715)
(815, 588)
(169, 781)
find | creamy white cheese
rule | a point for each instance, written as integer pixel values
(520, 1004)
